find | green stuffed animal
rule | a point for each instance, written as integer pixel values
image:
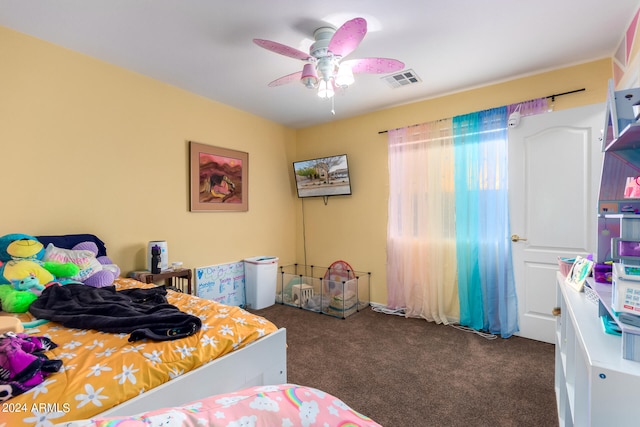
(61, 270)
(15, 301)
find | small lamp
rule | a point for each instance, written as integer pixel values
(345, 76)
(309, 76)
(325, 89)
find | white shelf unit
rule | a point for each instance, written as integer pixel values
(621, 147)
(629, 225)
(594, 385)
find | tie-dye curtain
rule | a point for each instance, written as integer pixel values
(486, 286)
(421, 257)
(448, 247)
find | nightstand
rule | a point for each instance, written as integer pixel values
(179, 280)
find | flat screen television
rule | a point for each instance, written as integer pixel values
(322, 177)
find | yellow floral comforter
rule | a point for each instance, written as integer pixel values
(101, 370)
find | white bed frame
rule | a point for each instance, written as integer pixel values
(263, 362)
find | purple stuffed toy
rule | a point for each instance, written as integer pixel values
(100, 278)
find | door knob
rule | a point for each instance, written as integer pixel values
(516, 238)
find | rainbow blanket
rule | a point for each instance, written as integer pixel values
(262, 406)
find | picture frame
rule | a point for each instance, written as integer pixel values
(218, 179)
(579, 272)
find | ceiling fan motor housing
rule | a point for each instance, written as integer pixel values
(322, 36)
(326, 62)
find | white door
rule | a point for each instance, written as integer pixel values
(555, 161)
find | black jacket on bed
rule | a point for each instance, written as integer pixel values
(144, 313)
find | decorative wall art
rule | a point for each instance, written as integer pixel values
(219, 178)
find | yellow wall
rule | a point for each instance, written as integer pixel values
(88, 147)
(353, 228)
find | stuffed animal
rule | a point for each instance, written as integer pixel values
(19, 300)
(23, 262)
(28, 283)
(109, 272)
(8, 239)
(15, 301)
(23, 254)
(61, 270)
(94, 271)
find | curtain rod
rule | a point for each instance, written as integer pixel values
(553, 98)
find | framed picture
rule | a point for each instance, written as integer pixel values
(579, 272)
(219, 178)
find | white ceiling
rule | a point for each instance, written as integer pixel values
(205, 46)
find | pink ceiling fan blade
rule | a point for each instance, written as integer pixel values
(374, 65)
(348, 37)
(293, 77)
(282, 49)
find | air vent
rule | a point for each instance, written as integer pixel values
(403, 78)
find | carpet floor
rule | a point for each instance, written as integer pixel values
(409, 372)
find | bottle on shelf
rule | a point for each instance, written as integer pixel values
(155, 260)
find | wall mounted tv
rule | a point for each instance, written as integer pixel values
(322, 177)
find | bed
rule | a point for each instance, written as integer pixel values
(103, 374)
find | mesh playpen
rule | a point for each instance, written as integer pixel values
(337, 290)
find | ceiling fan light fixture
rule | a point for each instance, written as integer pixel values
(344, 77)
(323, 68)
(309, 77)
(325, 89)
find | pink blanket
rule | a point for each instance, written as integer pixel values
(262, 406)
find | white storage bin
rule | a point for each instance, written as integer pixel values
(260, 276)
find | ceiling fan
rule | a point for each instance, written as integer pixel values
(324, 68)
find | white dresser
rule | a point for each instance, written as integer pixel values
(594, 385)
